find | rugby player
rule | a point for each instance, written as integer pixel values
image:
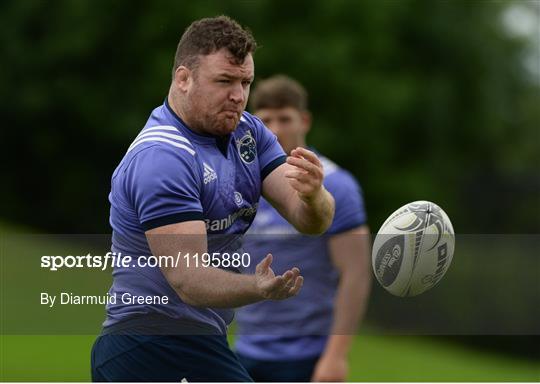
(309, 336)
(190, 182)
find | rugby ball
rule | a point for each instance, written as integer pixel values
(413, 249)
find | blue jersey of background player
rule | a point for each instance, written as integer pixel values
(197, 170)
(308, 336)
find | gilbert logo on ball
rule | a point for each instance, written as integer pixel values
(413, 249)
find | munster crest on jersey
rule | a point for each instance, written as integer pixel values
(247, 148)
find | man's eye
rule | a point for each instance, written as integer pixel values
(225, 81)
(246, 83)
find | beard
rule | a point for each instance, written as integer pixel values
(221, 123)
(214, 124)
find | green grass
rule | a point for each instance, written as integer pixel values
(45, 358)
(400, 358)
(374, 358)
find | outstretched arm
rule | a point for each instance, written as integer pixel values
(213, 287)
(296, 190)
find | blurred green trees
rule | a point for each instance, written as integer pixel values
(419, 99)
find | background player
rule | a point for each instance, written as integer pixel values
(198, 167)
(309, 336)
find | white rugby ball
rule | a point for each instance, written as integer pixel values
(413, 249)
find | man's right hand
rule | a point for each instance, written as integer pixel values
(272, 287)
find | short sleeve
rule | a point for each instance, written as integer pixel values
(270, 152)
(350, 209)
(164, 186)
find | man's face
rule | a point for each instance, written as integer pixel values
(289, 125)
(218, 92)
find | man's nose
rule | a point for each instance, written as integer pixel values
(237, 94)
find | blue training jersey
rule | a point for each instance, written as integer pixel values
(298, 327)
(171, 174)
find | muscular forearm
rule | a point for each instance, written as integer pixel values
(213, 287)
(314, 216)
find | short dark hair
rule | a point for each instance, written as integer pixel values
(279, 91)
(208, 35)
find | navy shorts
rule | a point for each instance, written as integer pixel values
(279, 371)
(165, 358)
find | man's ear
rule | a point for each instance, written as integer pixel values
(182, 78)
(306, 121)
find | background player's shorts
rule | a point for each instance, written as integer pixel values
(165, 358)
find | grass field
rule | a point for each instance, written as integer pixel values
(374, 358)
